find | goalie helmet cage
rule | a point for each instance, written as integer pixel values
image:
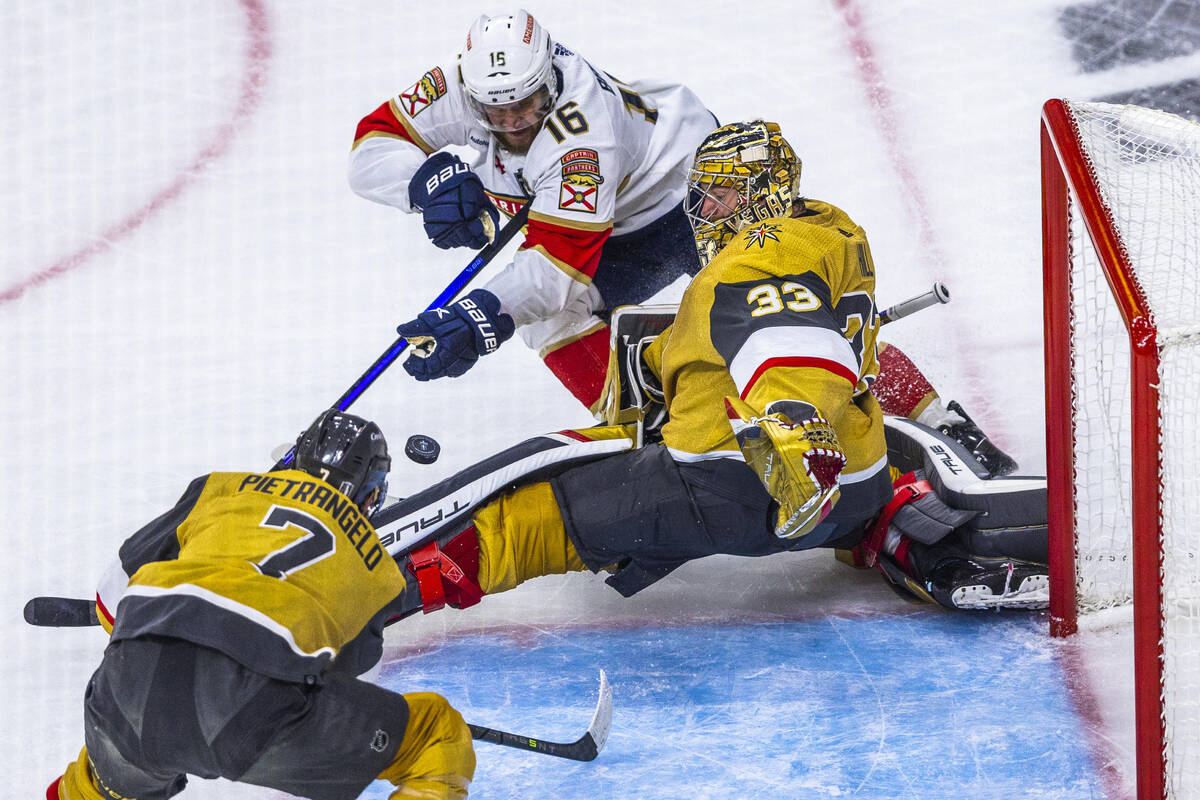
(1121, 261)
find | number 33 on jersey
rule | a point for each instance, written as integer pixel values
(786, 311)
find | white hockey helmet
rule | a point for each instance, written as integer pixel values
(506, 60)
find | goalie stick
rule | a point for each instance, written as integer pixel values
(938, 294)
(585, 748)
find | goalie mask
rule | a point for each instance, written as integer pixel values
(507, 71)
(350, 454)
(743, 172)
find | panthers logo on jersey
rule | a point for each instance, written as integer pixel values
(579, 193)
(581, 180)
(422, 94)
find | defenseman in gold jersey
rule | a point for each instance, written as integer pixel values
(773, 441)
(249, 610)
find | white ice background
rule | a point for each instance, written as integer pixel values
(186, 279)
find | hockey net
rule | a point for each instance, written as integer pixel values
(1121, 241)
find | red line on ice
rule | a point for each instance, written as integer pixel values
(258, 53)
(879, 96)
(1073, 660)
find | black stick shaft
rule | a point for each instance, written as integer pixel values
(581, 750)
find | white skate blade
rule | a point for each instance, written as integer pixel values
(1032, 593)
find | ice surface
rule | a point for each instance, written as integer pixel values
(186, 280)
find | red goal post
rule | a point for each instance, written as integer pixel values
(1121, 262)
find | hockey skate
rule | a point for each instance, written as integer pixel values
(968, 581)
(968, 434)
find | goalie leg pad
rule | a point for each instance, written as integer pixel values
(521, 536)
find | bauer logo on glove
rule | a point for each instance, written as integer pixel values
(447, 341)
(456, 210)
(799, 463)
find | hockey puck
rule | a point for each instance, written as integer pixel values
(422, 449)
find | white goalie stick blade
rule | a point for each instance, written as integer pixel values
(418, 518)
(585, 748)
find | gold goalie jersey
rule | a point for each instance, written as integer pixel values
(278, 571)
(786, 311)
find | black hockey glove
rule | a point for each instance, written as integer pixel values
(448, 341)
(450, 196)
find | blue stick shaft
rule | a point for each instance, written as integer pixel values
(503, 237)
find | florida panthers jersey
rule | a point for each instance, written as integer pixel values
(279, 571)
(786, 311)
(611, 158)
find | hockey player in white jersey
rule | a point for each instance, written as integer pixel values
(603, 162)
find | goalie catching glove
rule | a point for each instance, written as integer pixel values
(447, 341)
(799, 462)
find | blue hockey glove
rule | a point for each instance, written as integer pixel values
(450, 196)
(448, 341)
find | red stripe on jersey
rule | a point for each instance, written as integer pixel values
(578, 249)
(104, 610)
(800, 361)
(582, 365)
(574, 435)
(382, 120)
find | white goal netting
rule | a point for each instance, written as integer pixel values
(1147, 166)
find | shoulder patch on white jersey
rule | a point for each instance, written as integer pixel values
(580, 193)
(581, 180)
(422, 94)
(581, 160)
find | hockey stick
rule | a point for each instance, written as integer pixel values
(938, 294)
(69, 612)
(61, 612)
(66, 612)
(585, 748)
(503, 237)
